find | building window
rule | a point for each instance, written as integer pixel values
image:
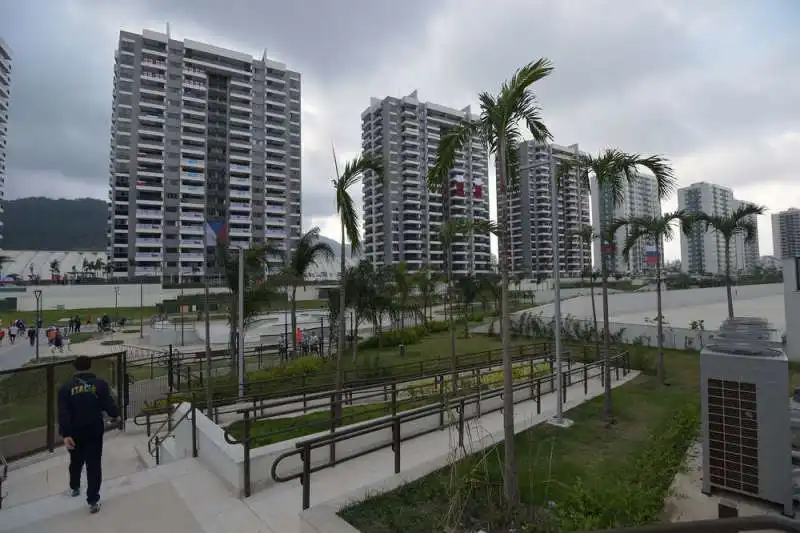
(797, 272)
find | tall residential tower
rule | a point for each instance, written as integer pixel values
(786, 234)
(703, 252)
(531, 216)
(402, 218)
(199, 133)
(639, 199)
(5, 95)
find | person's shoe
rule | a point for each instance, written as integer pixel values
(75, 492)
(94, 508)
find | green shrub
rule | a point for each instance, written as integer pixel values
(406, 336)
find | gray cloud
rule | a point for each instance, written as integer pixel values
(713, 84)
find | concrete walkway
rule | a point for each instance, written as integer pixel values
(185, 497)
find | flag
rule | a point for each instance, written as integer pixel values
(459, 185)
(477, 189)
(608, 249)
(140, 183)
(651, 255)
(216, 232)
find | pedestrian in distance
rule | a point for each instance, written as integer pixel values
(81, 403)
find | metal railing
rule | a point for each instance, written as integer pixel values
(155, 441)
(455, 403)
(353, 391)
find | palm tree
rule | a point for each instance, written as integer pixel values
(468, 289)
(448, 233)
(586, 235)
(348, 218)
(655, 230)
(259, 291)
(426, 285)
(308, 252)
(740, 222)
(55, 269)
(402, 288)
(499, 127)
(612, 170)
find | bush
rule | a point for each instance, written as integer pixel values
(410, 335)
(292, 368)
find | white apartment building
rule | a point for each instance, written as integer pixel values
(704, 251)
(748, 254)
(530, 215)
(786, 234)
(639, 199)
(402, 218)
(199, 133)
(5, 96)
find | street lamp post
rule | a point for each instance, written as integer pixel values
(558, 419)
(38, 294)
(116, 305)
(141, 311)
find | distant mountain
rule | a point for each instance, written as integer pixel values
(55, 225)
(64, 225)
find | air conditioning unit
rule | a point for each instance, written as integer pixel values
(747, 440)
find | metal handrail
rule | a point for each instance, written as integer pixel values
(366, 387)
(394, 421)
(154, 443)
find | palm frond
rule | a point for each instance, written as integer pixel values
(353, 171)
(447, 150)
(660, 168)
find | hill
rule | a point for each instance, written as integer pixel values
(55, 225)
(63, 225)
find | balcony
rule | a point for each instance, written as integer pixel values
(243, 182)
(191, 256)
(148, 228)
(243, 195)
(149, 213)
(193, 163)
(193, 190)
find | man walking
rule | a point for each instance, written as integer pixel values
(81, 402)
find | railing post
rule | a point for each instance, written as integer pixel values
(538, 396)
(602, 373)
(305, 478)
(585, 380)
(51, 407)
(441, 400)
(147, 422)
(461, 424)
(396, 443)
(194, 427)
(170, 370)
(569, 370)
(480, 393)
(530, 377)
(564, 388)
(152, 356)
(246, 444)
(394, 398)
(157, 442)
(332, 450)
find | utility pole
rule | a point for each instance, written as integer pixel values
(141, 311)
(38, 294)
(241, 323)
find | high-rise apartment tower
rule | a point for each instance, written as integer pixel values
(402, 218)
(530, 214)
(786, 234)
(703, 252)
(639, 199)
(199, 133)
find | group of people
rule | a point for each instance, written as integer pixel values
(306, 344)
(15, 329)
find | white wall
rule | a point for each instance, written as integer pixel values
(103, 296)
(791, 299)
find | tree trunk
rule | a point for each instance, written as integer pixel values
(510, 482)
(728, 282)
(451, 320)
(294, 320)
(337, 409)
(607, 413)
(659, 319)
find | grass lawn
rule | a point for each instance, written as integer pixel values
(597, 476)
(54, 316)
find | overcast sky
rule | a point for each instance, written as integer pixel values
(714, 84)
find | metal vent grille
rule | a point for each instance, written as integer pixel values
(733, 435)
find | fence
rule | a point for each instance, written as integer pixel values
(533, 325)
(29, 397)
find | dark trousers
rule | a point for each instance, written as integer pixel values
(89, 451)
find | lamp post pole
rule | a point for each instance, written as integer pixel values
(116, 304)
(38, 294)
(141, 311)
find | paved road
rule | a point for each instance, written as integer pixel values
(16, 355)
